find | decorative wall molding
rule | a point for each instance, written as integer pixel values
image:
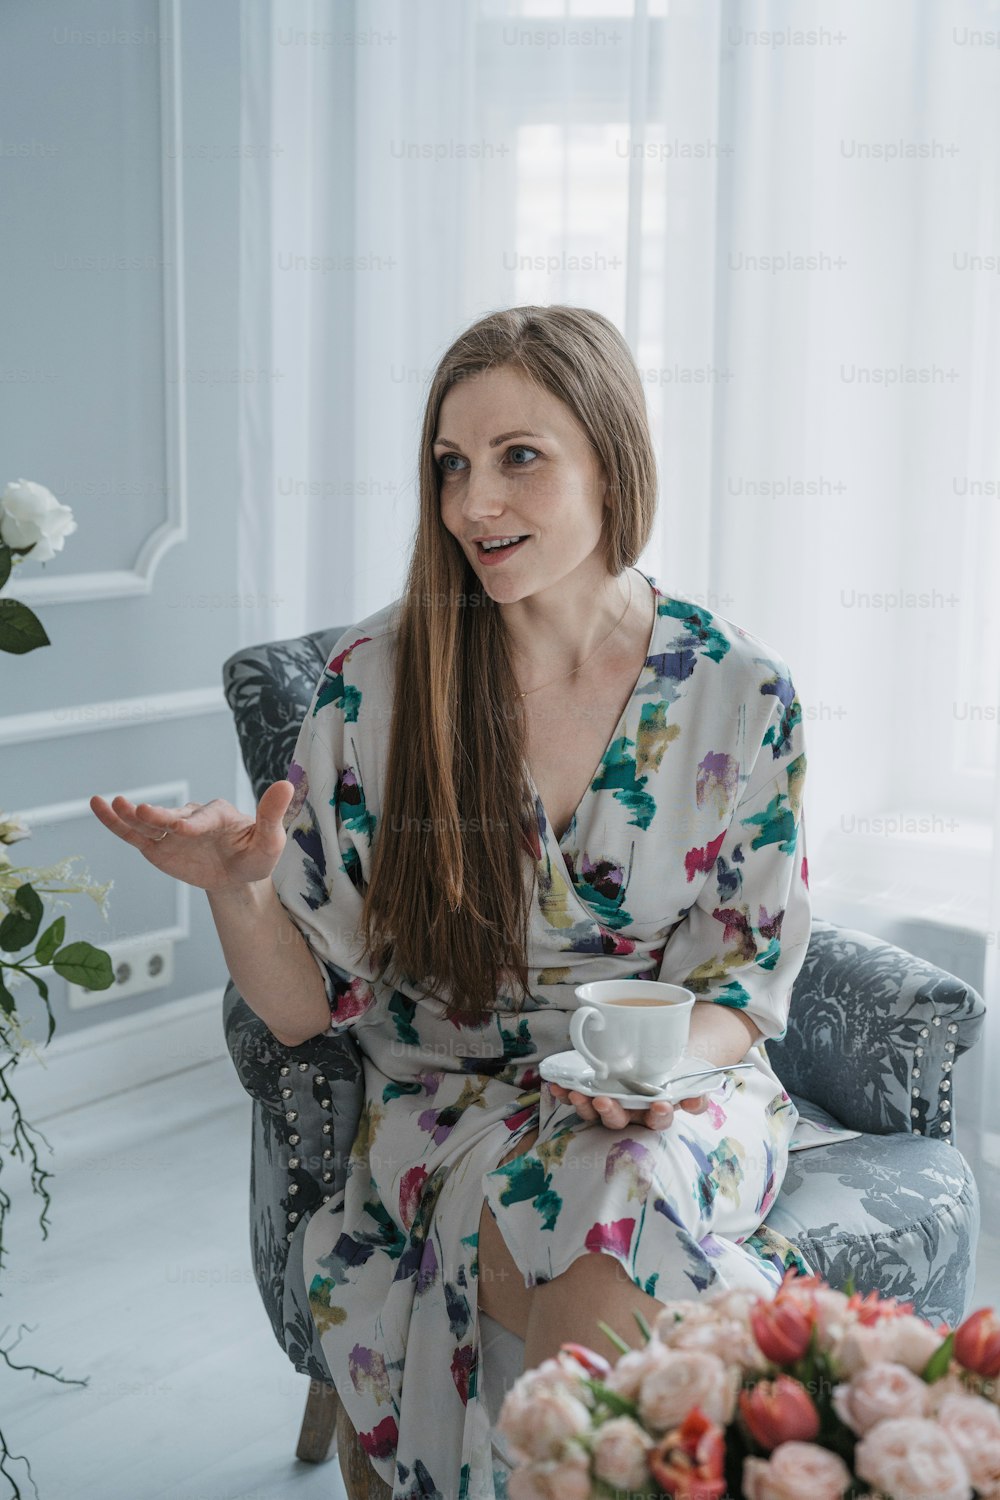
(69, 588)
(113, 713)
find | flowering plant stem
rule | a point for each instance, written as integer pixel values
(29, 508)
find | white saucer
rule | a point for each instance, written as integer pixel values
(573, 1072)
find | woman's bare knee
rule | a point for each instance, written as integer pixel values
(594, 1287)
(593, 1267)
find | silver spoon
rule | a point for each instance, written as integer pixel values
(639, 1086)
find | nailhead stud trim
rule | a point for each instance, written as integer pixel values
(943, 1102)
(295, 1162)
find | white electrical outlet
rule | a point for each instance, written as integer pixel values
(138, 966)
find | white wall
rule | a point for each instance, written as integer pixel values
(120, 392)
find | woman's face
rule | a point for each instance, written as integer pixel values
(514, 461)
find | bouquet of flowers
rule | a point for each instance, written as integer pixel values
(817, 1394)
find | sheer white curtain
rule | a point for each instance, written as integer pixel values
(790, 209)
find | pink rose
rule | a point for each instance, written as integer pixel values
(732, 1303)
(902, 1340)
(882, 1390)
(537, 1419)
(947, 1385)
(563, 1369)
(729, 1341)
(834, 1315)
(973, 1425)
(912, 1458)
(632, 1368)
(676, 1317)
(562, 1479)
(620, 1450)
(796, 1471)
(683, 1379)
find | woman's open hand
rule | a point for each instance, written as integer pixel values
(212, 844)
(615, 1116)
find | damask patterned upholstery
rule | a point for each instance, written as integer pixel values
(872, 1040)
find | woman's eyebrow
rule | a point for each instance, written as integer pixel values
(502, 438)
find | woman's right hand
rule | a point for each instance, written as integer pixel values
(208, 844)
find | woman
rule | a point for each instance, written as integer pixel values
(532, 770)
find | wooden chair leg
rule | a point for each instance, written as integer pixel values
(318, 1437)
(360, 1479)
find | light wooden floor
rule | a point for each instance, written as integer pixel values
(145, 1286)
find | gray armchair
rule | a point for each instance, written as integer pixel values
(872, 1041)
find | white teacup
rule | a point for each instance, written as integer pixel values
(634, 1026)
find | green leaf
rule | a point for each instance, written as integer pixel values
(848, 1287)
(39, 984)
(50, 940)
(615, 1338)
(81, 963)
(20, 629)
(620, 1405)
(644, 1327)
(43, 990)
(6, 998)
(19, 926)
(939, 1361)
(5, 563)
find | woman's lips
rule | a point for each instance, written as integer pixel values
(498, 554)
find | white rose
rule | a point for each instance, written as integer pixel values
(796, 1471)
(626, 1376)
(677, 1317)
(31, 514)
(11, 832)
(620, 1450)
(901, 1340)
(732, 1342)
(882, 1390)
(688, 1378)
(973, 1425)
(946, 1385)
(834, 1315)
(911, 1458)
(913, 1341)
(558, 1479)
(542, 1411)
(564, 1372)
(733, 1302)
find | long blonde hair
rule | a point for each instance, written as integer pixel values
(447, 903)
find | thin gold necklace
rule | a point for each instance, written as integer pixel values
(593, 653)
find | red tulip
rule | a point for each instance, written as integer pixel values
(689, 1461)
(779, 1411)
(594, 1364)
(782, 1327)
(871, 1307)
(977, 1343)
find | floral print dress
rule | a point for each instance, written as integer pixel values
(685, 861)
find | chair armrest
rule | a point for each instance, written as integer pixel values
(314, 1094)
(307, 1101)
(873, 1033)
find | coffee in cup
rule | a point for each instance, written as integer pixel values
(634, 1026)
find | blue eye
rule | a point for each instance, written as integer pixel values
(517, 448)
